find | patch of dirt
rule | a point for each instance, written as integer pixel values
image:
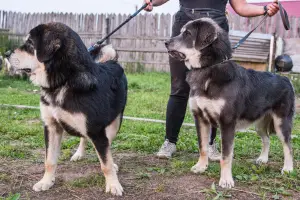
(24, 174)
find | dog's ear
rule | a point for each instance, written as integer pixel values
(47, 47)
(206, 34)
(46, 42)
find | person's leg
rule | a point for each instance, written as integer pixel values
(213, 153)
(213, 135)
(176, 107)
(178, 99)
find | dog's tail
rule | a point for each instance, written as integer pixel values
(104, 53)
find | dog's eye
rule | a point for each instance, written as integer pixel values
(187, 33)
(29, 41)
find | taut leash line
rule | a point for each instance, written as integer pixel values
(284, 19)
(246, 36)
(127, 20)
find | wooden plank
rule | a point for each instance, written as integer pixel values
(4, 22)
(1, 19)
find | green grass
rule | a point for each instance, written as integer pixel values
(22, 134)
(12, 197)
(94, 180)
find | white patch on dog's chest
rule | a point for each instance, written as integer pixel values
(77, 121)
(59, 98)
(211, 108)
(61, 95)
(193, 58)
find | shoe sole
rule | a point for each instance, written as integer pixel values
(163, 157)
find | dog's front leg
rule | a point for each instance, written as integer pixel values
(202, 129)
(227, 134)
(53, 134)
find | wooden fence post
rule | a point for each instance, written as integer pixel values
(107, 29)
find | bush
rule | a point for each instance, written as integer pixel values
(7, 43)
(295, 79)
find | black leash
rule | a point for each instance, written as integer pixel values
(246, 36)
(127, 20)
(283, 14)
(284, 19)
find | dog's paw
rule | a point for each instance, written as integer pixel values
(114, 187)
(44, 184)
(226, 182)
(286, 170)
(77, 156)
(199, 168)
(116, 167)
(261, 160)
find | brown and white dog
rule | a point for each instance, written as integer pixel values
(78, 95)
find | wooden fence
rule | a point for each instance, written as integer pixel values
(139, 41)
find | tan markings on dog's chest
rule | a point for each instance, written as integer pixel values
(210, 108)
(58, 98)
(76, 121)
(61, 95)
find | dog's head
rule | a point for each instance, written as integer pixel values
(43, 43)
(53, 52)
(195, 40)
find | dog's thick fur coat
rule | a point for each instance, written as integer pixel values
(78, 95)
(231, 97)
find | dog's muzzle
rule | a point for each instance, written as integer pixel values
(15, 63)
(173, 53)
(177, 55)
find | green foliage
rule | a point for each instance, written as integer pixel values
(7, 43)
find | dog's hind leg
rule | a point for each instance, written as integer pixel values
(283, 128)
(80, 152)
(203, 130)
(53, 134)
(227, 134)
(102, 142)
(262, 130)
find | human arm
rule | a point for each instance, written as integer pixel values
(154, 3)
(244, 9)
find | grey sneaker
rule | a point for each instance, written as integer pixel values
(213, 153)
(166, 150)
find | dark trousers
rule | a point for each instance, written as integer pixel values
(179, 87)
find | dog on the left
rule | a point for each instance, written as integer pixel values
(79, 95)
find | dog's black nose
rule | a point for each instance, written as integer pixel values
(8, 53)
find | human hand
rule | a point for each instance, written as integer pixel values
(149, 8)
(272, 8)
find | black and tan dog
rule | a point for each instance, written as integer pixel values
(231, 97)
(78, 95)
